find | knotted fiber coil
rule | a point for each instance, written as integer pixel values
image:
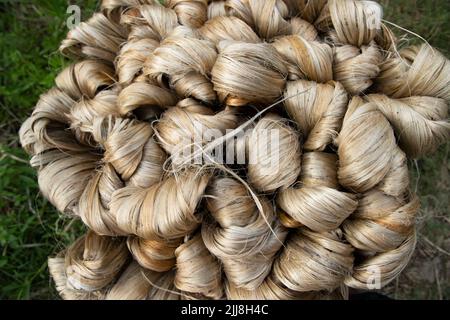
(157, 85)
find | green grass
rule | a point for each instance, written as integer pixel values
(30, 35)
(427, 276)
(428, 18)
(31, 230)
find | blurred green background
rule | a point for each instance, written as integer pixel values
(31, 230)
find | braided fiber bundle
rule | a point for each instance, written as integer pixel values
(128, 141)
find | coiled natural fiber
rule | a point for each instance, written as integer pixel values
(114, 142)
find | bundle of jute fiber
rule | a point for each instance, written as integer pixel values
(236, 149)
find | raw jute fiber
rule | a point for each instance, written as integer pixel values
(114, 144)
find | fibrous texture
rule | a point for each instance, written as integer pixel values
(239, 149)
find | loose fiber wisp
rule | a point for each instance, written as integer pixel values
(236, 149)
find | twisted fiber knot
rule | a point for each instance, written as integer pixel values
(304, 215)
